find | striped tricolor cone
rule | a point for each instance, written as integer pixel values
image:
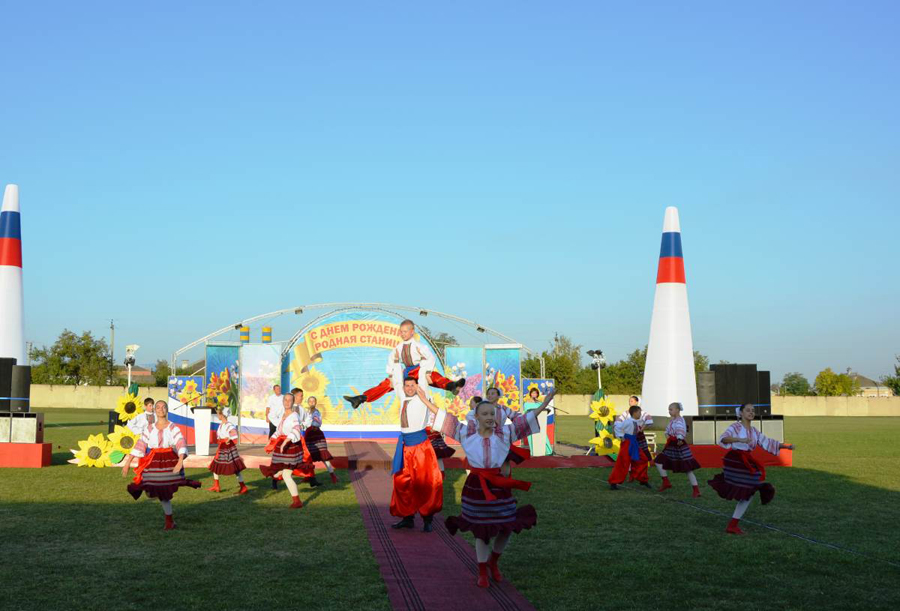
(12, 325)
(669, 373)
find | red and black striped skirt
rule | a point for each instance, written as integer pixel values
(227, 461)
(741, 477)
(677, 458)
(441, 449)
(317, 446)
(155, 477)
(486, 519)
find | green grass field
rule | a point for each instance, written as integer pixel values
(73, 539)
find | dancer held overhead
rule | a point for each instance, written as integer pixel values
(489, 509)
(418, 483)
(677, 455)
(160, 470)
(741, 475)
(227, 460)
(410, 358)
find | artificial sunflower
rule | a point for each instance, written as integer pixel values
(606, 443)
(603, 411)
(313, 382)
(128, 407)
(94, 452)
(123, 439)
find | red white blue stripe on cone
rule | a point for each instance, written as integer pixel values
(12, 328)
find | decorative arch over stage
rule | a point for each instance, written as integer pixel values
(342, 351)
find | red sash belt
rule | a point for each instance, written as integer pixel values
(521, 452)
(752, 465)
(144, 462)
(273, 442)
(493, 476)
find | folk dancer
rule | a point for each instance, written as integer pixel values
(741, 475)
(160, 471)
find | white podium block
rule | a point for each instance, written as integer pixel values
(202, 421)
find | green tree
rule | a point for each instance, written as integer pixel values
(563, 364)
(440, 341)
(893, 382)
(831, 384)
(72, 359)
(794, 383)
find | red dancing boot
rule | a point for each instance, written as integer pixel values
(696, 494)
(297, 504)
(243, 489)
(733, 528)
(334, 478)
(170, 523)
(482, 575)
(215, 487)
(495, 570)
(665, 485)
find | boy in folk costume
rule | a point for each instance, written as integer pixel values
(287, 453)
(741, 475)
(142, 422)
(160, 470)
(410, 358)
(630, 458)
(644, 420)
(677, 455)
(227, 461)
(315, 439)
(489, 509)
(418, 483)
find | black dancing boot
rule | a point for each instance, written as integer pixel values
(274, 484)
(613, 486)
(455, 387)
(313, 482)
(355, 401)
(427, 527)
(407, 522)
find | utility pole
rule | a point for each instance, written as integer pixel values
(112, 350)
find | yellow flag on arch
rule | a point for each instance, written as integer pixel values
(305, 354)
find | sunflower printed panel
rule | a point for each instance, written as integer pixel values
(503, 371)
(346, 353)
(542, 386)
(260, 370)
(465, 362)
(184, 392)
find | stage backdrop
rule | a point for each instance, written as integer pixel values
(344, 354)
(465, 362)
(543, 385)
(260, 371)
(222, 376)
(184, 392)
(503, 370)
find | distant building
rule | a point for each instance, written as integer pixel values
(141, 375)
(870, 388)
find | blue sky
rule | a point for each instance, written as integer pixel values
(183, 167)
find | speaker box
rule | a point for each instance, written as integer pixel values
(706, 388)
(6, 367)
(746, 385)
(20, 388)
(703, 432)
(764, 393)
(707, 410)
(5, 426)
(114, 420)
(773, 429)
(26, 428)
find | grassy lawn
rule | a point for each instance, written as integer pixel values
(74, 539)
(636, 549)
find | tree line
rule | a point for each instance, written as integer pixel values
(86, 360)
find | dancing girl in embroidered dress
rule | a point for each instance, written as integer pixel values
(489, 509)
(677, 455)
(287, 450)
(227, 460)
(160, 470)
(741, 475)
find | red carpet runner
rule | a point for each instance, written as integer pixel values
(421, 570)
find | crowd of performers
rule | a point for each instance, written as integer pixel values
(488, 508)
(741, 477)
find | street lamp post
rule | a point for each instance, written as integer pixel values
(599, 363)
(130, 349)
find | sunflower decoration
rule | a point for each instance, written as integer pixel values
(313, 382)
(606, 444)
(94, 452)
(190, 396)
(128, 407)
(122, 441)
(603, 411)
(219, 390)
